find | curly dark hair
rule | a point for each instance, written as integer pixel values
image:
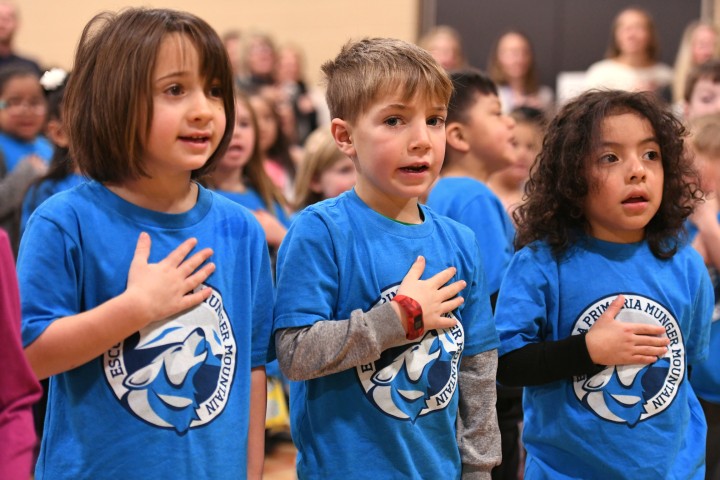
(559, 182)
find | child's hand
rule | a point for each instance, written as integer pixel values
(435, 298)
(37, 163)
(613, 342)
(162, 289)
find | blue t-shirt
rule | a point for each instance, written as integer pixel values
(251, 200)
(473, 204)
(394, 417)
(14, 150)
(37, 194)
(172, 400)
(634, 421)
(705, 377)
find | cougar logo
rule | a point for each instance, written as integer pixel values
(176, 373)
(632, 393)
(416, 378)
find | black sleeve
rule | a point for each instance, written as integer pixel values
(545, 362)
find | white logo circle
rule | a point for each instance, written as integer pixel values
(416, 377)
(176, 373)
(633, 393)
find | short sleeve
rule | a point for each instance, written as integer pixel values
(307, 274)
(49, 275)
(527, 299)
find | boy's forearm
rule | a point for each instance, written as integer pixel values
(332, 346)
(478, 434)
(256, 429)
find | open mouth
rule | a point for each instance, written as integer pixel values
(635, 199)
(195, 139)
(415, 168)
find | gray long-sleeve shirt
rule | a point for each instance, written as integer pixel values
(332, 346)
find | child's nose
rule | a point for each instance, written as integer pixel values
(421, 137)
(637, 169)
(201, 106)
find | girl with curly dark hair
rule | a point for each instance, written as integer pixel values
(605, 305)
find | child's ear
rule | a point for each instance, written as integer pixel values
(56, 133)
(342, 133)
(456, 137)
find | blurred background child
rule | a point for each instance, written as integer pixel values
(62, 173)
(24, 150)
(240, 176)
(278, 156)
(509, 183)
(325, 171)
(702, 91)
(699, 43)
(704, 231)
(445, 45)
(512, 67)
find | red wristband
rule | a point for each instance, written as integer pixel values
(413, 310)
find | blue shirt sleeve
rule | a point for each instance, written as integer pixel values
(307, 274)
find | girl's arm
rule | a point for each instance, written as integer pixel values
(154, 291)
(256, 430)
(478, 435)
(332, 346)
(608, 342)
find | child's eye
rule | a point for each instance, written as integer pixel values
(436, 121)
(216, 91)
(174, 90)
(608, 158)
(651, 155)
(392, 121)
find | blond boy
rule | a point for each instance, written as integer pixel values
(376, 348)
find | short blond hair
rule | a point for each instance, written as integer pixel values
(366, 68)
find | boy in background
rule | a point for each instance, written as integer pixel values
(376, 349)
(705, 234)
(480, 142)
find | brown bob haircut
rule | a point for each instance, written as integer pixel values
(108, 104)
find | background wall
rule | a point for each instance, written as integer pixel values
(50, 29)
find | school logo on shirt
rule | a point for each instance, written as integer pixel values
(176, 373)
(417, 377)
(632, 393)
